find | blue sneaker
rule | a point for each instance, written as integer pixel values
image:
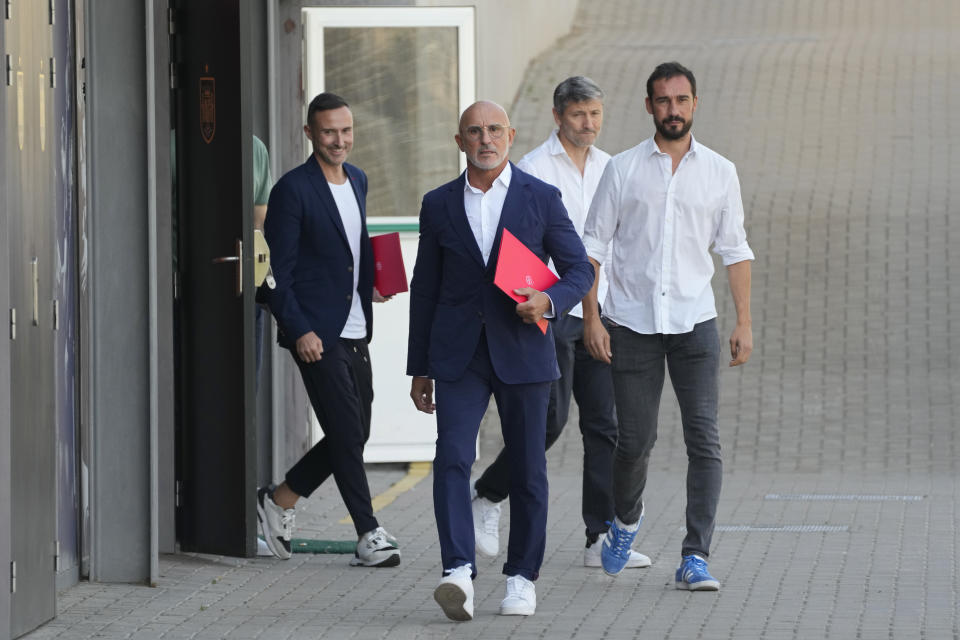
(692, 575)
(615, 552)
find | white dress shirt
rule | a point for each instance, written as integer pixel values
(483, 213)
(550, 163)
(484, 208)
(346, 200)
(663, 225)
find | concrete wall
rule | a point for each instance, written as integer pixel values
(118, 279)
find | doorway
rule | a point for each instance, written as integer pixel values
(216, 443)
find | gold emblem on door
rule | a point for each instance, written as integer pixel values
(208, 108)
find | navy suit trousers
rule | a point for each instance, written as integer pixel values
(590, 382)
(523, 415)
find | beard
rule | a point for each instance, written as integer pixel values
(673, 134)
(485, 164)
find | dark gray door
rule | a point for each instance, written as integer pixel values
(30, 205)
(216, 439)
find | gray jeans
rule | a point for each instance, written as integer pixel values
(693, 360)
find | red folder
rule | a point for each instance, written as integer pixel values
(518, 267)
(389, 276)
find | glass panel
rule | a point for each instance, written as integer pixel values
(402, 86)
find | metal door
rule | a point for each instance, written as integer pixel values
(30, 206)
(65, 284)
(216, 438)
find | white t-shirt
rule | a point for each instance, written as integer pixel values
(356, 327)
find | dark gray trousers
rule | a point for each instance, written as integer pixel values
(693, 360)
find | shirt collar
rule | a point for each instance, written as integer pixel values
(654, 149)
(503, 178)
(555, 147)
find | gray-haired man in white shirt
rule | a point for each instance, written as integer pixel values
(664, 204)
(569, 161)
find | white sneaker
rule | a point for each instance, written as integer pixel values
(262, 549)
(486, 526)
(454, 594)
(376, 548)
(521, 597)
(591, 557)
(275, 522)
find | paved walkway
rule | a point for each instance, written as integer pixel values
(839, 516)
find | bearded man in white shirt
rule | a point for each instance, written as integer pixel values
(665, 204)
(569, 161)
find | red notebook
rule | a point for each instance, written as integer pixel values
(518, 267)
(389, 276)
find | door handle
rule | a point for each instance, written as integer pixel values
(35, 280)
(239, 260)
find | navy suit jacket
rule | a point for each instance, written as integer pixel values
(311, 258)
(452, 295)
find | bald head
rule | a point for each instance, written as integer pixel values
(485, 136)
(485, 110)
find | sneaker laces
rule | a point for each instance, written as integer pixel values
(621, 540)
(693, 566)
(378, 538)
(517, 586)
(286, 523)
(491, 519)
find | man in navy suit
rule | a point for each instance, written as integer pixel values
(475, 341)
(323, 265)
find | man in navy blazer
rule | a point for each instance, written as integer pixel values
(322, 262)
(474, 341)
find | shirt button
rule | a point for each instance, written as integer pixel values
(350, 268)
(664, 293)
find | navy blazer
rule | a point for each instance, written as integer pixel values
(311, 258)
(452, 294)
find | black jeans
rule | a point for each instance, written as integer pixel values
(693, 360)
(340, 386)
(590, 383)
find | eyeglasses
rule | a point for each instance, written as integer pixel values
(475, 132)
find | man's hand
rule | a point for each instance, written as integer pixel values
(379, 298)
(537, 304)
(421, 390)
(741, 340)
(596, 339)
(309, 347)
(741, 344)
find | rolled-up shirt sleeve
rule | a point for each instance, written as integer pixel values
(730, 242)
(604, 215)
